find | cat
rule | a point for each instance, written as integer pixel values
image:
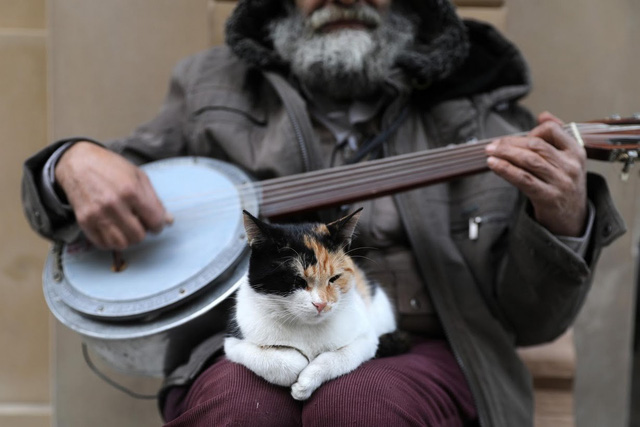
(306, 313)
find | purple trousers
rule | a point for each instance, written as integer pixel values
(424, 387)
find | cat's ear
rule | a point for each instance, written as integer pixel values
(342, 230)
(257, 231)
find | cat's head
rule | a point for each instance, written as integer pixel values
(301, 270)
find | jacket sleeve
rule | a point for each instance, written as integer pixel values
(542, 283)
(162, 137)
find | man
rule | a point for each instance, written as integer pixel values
(475, 266)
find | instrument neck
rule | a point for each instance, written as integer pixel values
(350, 183)
(372, 179)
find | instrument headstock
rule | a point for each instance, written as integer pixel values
(615, 139)
(619, 120)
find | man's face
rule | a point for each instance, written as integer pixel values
(344, 48)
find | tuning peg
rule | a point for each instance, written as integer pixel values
(628, 159)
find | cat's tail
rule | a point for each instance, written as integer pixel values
(393, 343)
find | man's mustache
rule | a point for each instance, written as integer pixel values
(331, 13)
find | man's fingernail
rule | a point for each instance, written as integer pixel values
(491, 147)
(168, 219)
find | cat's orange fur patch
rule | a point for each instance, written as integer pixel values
(321, 229)
(328, 265)
(361, 286)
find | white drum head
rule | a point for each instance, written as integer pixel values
(205, 241)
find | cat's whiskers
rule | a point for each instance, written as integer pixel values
(364, 257)
(277, 267)
(361, 248)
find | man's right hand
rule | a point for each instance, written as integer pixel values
(113, 200)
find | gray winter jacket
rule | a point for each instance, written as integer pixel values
(516, 284)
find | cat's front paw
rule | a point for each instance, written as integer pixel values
(301, 392)
(289, 364)
(304, 387)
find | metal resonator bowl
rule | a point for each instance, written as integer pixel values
(174, 289)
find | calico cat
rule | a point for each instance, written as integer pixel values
(306, 314)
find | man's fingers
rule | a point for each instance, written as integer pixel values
(556, 136)
(113, 200)
(526, 182)
(129, 225)
(546, 116)
(530, 154)
(148, 207)
(95, 237)
(113, 238)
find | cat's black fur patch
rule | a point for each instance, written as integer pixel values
(271, 270)
(373, 287)
(233, 329)
(270, 266)
(393, 344)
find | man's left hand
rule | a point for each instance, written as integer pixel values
(549, 167)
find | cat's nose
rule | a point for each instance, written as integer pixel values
(319, 306)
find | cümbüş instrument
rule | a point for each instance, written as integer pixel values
(174, 290)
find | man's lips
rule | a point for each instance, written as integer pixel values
(332, 17)
(345, 24)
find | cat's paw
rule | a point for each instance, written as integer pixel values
(305, 386)
(301, 392)
(278, 365)
(289, 365)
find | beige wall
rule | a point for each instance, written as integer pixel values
(110, 67)
(584, 54)
(585, 63)
(24, 337)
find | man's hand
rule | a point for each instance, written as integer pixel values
(113, 200)
(549, 167)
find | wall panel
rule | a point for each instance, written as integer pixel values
(110, 67)
(24, 320)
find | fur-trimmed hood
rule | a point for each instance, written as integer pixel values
(449, 58)
(440, 48)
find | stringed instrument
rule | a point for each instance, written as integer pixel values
(145, 316)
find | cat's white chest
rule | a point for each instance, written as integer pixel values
(260, 326)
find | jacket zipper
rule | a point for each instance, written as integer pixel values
(474, 222)
(304, 152)
(481, 407)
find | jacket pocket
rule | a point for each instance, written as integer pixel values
(479, 226)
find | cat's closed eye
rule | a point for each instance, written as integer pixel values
(334, 278)
(300, 282)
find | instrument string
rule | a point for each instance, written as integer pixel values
(289, 191)
(340, 179)
(326, 191)
(283, 182)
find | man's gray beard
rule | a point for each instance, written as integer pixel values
(344, 64)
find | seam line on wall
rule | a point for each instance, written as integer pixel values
(23, 32)
(16, 409)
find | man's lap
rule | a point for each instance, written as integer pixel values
(422, 387)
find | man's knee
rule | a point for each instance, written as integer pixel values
(384, 392)
(370, 396)
(229, 394)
